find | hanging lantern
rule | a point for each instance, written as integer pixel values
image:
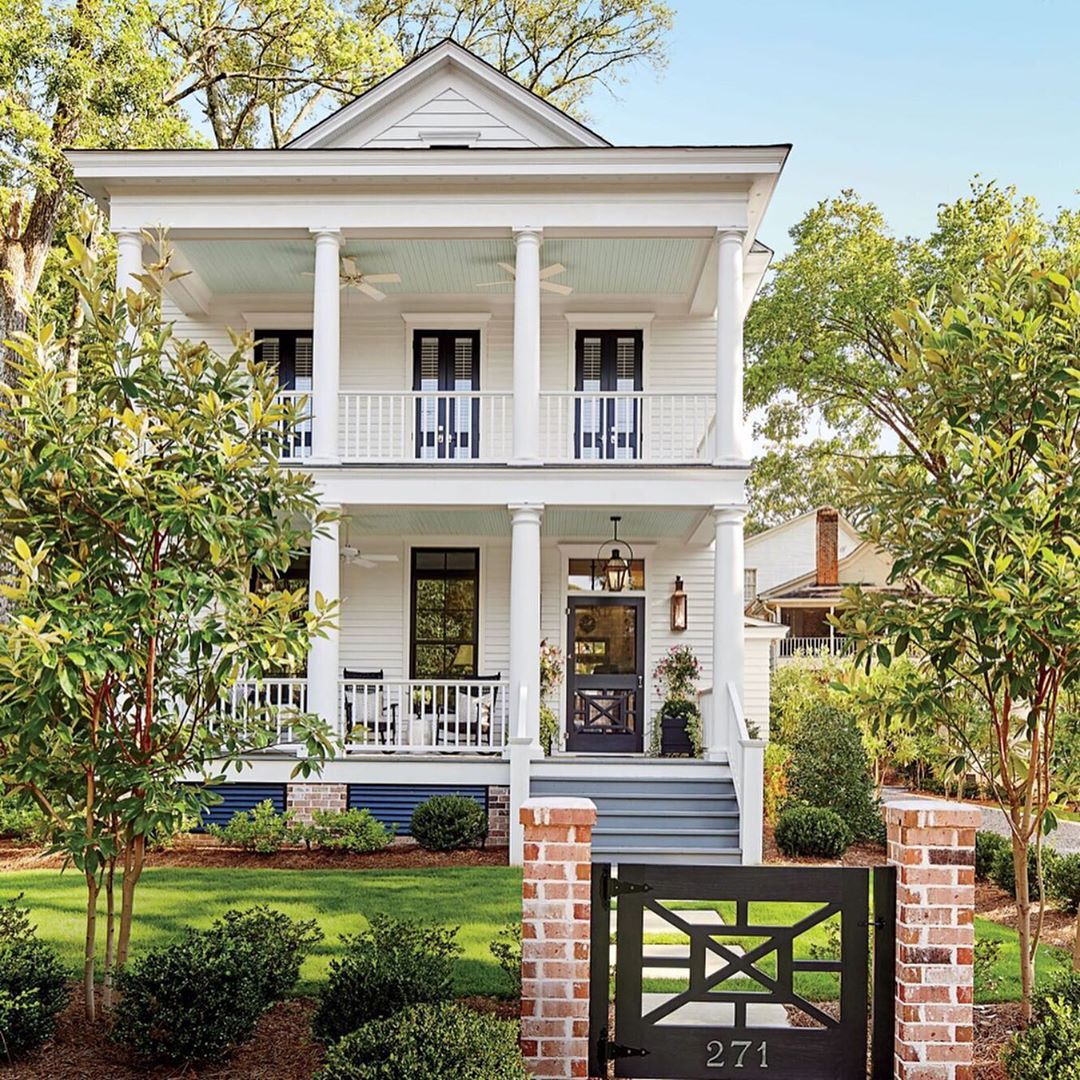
(678, 606)
(616, 568)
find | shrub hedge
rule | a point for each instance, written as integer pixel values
(33, 982)
(449, 822)
(1050, 1047)
(391, 965)
(356, 831)
(988, 847)
(812, 830)
(1063, 881)
(428, 1042)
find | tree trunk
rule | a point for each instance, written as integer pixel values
(12, 317)
(110, 935)
(92, 888)
(1023, 923)
(134, 860)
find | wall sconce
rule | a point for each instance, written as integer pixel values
(678, 606)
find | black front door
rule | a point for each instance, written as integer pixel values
(608, 426)
(446, 372)
(605, 674)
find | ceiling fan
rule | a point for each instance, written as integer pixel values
(352, 275)
(548, 272)
(355, 557)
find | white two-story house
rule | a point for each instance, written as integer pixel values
(509, 333)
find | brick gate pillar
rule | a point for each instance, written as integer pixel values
(932, 845)
(555, 925)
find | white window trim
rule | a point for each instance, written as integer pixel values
(444, 320)
(288, 320)
(609, 320)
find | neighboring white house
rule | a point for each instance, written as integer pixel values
(796, 572)
(510, 332)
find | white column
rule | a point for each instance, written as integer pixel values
(729, 650)
(527, 347)
(324, 666)
(129, 259)
(525, 617)
(730, 429)
(326, 347)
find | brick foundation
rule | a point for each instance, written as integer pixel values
(305, 799)
(498, 817)
(555, 936)
(932, 844)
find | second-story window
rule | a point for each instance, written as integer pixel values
(289, 352)
(608, 375)
(749, 584)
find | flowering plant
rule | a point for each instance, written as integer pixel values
(551, 666)
(676, 673)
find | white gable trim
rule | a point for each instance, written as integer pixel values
(443, 68)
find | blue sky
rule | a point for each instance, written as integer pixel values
(903, 102)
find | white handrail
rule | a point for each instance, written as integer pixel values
(746, 756)
(278, 699)
(296, 441)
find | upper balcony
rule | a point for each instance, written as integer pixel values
(464, 427)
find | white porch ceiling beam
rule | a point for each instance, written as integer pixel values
(189, 292)
(612, 487)
(312, 211)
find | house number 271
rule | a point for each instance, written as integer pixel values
(734, 1054)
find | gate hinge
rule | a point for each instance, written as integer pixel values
(614, 886)
(606, 1050)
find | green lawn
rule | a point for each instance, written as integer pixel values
(481, 900)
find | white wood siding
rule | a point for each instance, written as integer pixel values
(790, 551)
(445, 115)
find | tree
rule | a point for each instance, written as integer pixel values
(559, 49)
(71, 74)
(820, 336)
(980, 507)
(147, 520)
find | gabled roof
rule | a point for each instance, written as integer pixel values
(805, 587)
(455, 92)
(784, 525)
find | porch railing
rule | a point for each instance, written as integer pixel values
(297, 442)
(451, 426)
(425, 715)
(273, 701)
(654, 428)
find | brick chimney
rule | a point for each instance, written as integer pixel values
(827, 571)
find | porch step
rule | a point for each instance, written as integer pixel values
(687, 814)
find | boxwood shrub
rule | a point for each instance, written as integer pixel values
(829, 768)
(389, 966)
(449, 822)
(1063, 881)
(1002, 872)
(356, 831)
(261, 829)
(812, 830)
(33, 982)
(428, 1042)
(196, 998)
(1050, 1047)
(988, 847)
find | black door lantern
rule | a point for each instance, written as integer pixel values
(678, 606)
(615, 569)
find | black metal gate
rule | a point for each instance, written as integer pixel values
(726, 972)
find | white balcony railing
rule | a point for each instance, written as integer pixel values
(455, 426)
(297, 445)
(654, 428)
(276, 701)
(418, 715)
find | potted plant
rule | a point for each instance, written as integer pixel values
(551, 673)
(677, 728)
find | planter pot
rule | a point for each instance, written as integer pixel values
(674, 741)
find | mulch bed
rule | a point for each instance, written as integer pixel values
(994, 1026)
(282, 1049)
(202, 852)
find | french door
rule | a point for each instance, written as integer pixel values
(605, 677)
(290, 353)
(608, 365)
(446, 374)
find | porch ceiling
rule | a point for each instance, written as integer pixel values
(602, 266)
(559, 523)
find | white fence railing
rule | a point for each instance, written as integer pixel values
(433, 426)
(471, 715)
(746, 756)
(297, 441)
(814, 646)
(657, 428)
(269, 702)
